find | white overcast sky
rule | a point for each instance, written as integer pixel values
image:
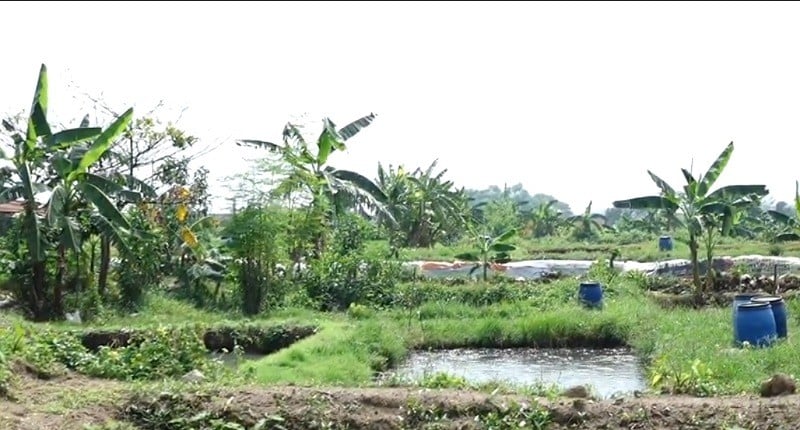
(576, 100)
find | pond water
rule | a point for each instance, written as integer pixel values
(608, 371)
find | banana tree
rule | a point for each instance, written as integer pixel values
(545, 219)
(698, 205)
(34, 152)
(790, 225)
(425, 206)
(588, 224)
(324, 185)
(490, 250)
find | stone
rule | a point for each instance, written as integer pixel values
(576, 392)
(194, 376)
(780, 384)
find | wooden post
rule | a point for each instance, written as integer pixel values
(775, 278)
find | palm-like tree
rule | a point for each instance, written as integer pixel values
(329, 189)
(545, 219)
(588, 224)
(702, 210)
(424, 205)
(58, 162)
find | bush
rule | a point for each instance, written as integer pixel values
(336, 281)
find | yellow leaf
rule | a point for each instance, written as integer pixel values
(183, 193)
(182, 212)
(188, 237)
(656, 379)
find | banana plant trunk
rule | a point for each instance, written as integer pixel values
(39, 284)
(58, 288)
(105, 263)
(693, 248)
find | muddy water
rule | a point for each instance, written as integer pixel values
(608, 371)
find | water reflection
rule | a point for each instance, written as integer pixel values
(608, 371)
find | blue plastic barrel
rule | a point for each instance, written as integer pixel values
(741, 299)
(665, 243)
(755, 324)
(591, 294)
(778, 312)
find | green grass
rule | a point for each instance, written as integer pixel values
(684, 350)
(688, 350)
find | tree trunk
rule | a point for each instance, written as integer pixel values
(693, 246)
(58, 305)
(105, 263)
(39, 284)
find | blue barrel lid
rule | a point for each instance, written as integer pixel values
(752, 306)
(767, 299)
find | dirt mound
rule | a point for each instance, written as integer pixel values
(74, 401)
(68, 401)
(395, 408)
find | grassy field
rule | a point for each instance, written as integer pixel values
(684, 350)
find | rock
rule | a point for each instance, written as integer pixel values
(789, 281)
(579, 404)
(6, 303)
(193, 376)
(578, 391)
(780, 384)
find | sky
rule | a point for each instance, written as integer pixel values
(577, 100)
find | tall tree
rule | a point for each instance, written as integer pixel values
(59, 162)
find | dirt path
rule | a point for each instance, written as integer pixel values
(73, 401)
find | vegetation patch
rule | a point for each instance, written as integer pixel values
(255, 339)
(250, 338)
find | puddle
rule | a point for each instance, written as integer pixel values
(609, 371)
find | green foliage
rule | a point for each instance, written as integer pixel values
(706, 214)
(501, 215)
(158, 353)
(587, 226)
(442, 380)
(329, 191)
(697, 380)
(335, 281)
(489, 250)
(257, 238)
(59, 162)
(426, 209)
(140, 267)
(517, 416)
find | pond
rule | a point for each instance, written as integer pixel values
(607, 371)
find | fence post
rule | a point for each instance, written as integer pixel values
(775, 279)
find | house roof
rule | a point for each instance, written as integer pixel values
(11, 208)
(15, 207)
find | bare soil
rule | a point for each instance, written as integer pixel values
(73, 401)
